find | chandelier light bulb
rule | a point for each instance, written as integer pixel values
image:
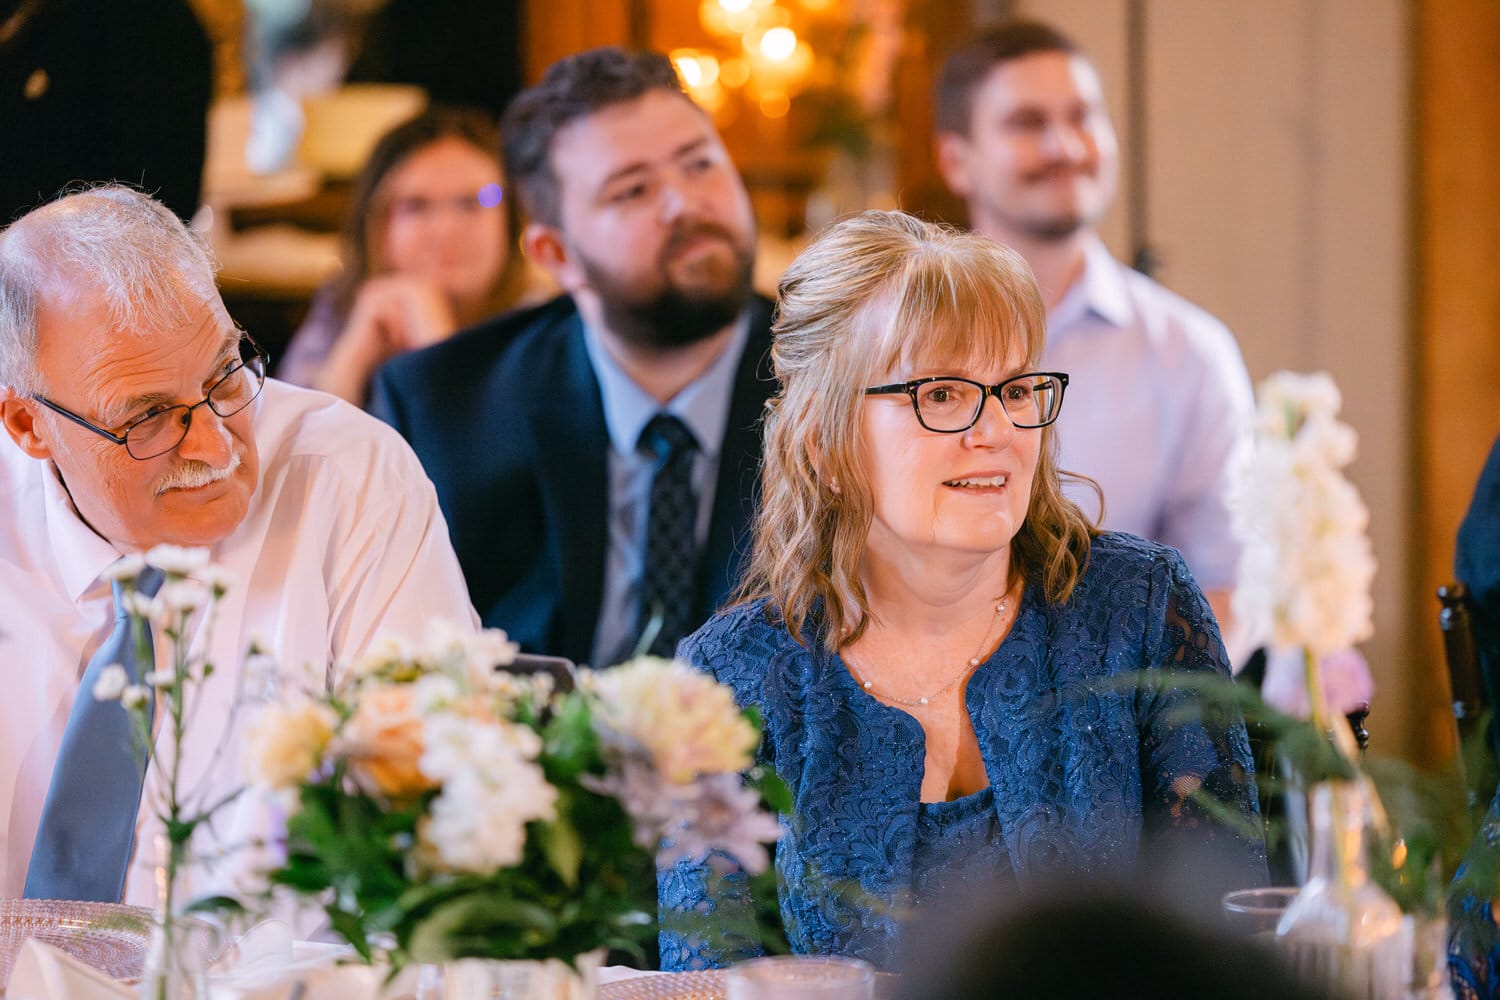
(778, 44)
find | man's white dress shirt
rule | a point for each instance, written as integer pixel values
(343, 541)
(1158, 411)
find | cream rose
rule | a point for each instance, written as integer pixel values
(383, 742)
(286, 744)
(687, 721)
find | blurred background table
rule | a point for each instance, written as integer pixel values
(277, 234)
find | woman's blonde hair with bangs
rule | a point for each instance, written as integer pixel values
(949, 297)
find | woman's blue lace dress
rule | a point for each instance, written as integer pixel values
(1089, 775)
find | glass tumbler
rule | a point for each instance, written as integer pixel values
(1257, 911)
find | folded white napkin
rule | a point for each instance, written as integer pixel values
(42, 972)
(266, 963)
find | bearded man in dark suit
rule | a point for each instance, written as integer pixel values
(596, 457)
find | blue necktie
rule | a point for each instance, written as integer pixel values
(668, 586)
(87, 833)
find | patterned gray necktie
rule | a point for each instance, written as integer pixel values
(87, 833)
(668, 585)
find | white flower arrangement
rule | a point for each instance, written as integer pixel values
(1305, 577)
(1308, 566)
(431, 791)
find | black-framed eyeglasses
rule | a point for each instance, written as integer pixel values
(947, 404)
(159, 431)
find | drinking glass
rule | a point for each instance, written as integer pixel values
(1257, 911)
(802, 977)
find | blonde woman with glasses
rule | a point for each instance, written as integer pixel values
(954, 666)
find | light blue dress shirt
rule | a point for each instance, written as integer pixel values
(704, 407)
(1158, 412)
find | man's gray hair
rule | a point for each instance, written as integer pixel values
(147, 267)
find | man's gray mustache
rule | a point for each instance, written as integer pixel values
(193, 474)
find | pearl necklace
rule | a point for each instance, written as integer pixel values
(968, 668)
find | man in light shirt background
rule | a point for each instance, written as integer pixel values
(136, 414)
(1159, 401)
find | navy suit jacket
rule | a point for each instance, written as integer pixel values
(1477, 564)
(509, 424)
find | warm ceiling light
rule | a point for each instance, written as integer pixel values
(740, 21)
(735, 6)
(778, 44)
(736, 72)
(774, 17)
(708, 66)
(688, 66)
(775, 105)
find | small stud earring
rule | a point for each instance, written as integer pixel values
(833, 485)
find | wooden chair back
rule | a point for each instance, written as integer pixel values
(562, 670)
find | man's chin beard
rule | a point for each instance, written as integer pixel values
(1059, 227)
(672, 318)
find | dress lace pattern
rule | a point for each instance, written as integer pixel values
(1473, 937)
(1092, 771)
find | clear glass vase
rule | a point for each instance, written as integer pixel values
(1343, 933)
(547, 979)
(1429, 972)
(181, 948)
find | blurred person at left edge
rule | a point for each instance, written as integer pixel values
(99, 90)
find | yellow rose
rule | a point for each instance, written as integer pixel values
(286, 744)
(383, 743)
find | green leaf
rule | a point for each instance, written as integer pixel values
(773, 790)
(425, 895)
(216, 905)
(562, 847)
(570, 745)
(493, 926)
(180, 831)
(349, 927)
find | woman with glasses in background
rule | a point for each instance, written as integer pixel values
(430, 247)
(955, 668)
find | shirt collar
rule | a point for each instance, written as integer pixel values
(1099, 290)
(82, 554)
(702, 405)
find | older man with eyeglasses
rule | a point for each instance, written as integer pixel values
(137, 414)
